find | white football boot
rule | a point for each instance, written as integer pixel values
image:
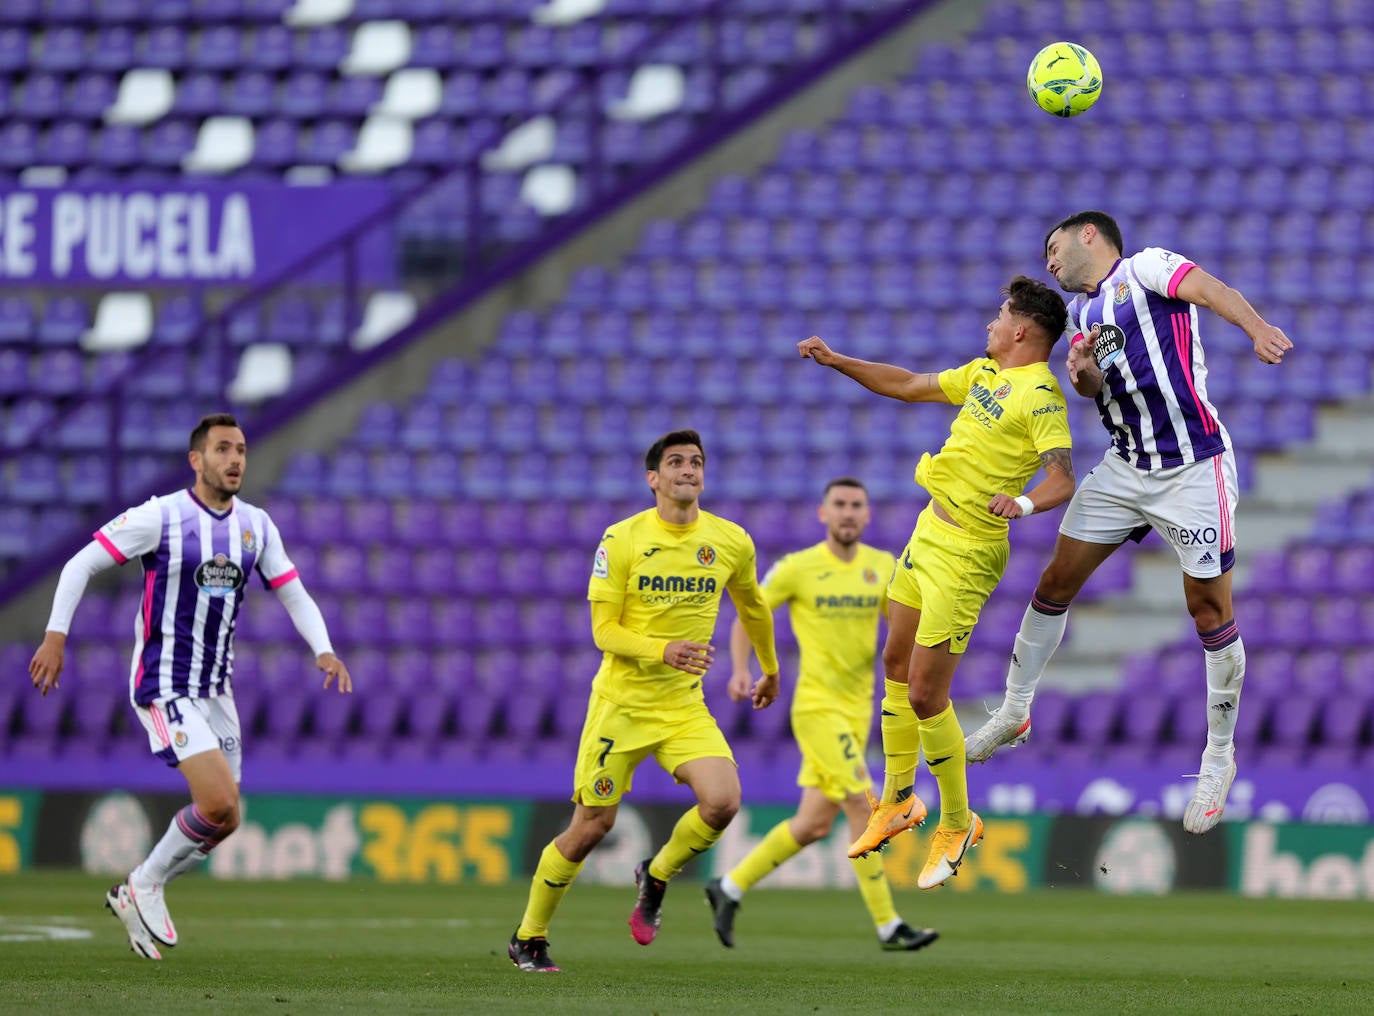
(118, 902)
(152, 908)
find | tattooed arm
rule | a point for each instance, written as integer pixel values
(1052, 491)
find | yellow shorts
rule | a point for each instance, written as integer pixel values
(615, 740)
(947, 576)
(832, 748)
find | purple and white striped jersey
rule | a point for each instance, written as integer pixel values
(196, 564)
(1154, 392)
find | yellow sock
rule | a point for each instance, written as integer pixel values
(942, 740)
(552, 877)
(691, 836)
(775, 848)
(874, 887)
(901, 741)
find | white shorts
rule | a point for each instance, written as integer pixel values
(181, 727)
(1193, 507)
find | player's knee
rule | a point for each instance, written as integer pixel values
(223, 810)
(717, 812)
(813, 830)
(896, 659)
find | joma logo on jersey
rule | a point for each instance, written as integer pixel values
(985, 398)
(845, 602)
(677, 584)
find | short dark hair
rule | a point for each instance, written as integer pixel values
(1031, 299)
(1105, 224)
(843, 481)
(202, 430)
(653, 458)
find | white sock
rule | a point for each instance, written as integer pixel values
(729, 887)
(1225, 676)
(886, 929)
(188, 838)
(1042, 629)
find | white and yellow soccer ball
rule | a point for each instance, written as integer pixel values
(1064, 79)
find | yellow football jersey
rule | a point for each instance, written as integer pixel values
(834, 606)
(668, 580)
(1009, 418)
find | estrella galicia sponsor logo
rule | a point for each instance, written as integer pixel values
(1110, 344)
(219, 576)
(706, 556)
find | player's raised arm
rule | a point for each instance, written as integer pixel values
(1056, 488)
(1084, 373)
(1208, 291)
(883, 378)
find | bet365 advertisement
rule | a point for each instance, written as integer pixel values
(492, 842)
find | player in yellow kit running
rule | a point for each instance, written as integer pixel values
(655, 592)
(835, 592)
(1012, 421)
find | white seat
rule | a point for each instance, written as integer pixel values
(654, 89)
(411, 93)
(527, 144)
(122, 321)
(264, 371)
(549, 190)
(383, 142)
(379, 47)
(145, 94)
(224, 143)
(386, 314)
(566, 12)
(306, 13)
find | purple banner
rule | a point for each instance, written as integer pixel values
(169, 235)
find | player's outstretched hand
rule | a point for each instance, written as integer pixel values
(334, 667)
(692, 657)
(738, 687)
(1081, 355)
(46, 665)
(814, 349)
(1271, 344)
(765, 691)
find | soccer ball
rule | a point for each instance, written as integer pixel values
(1064, 79)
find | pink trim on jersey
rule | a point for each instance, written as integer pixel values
(108, 544)
(1177, 277)
(282, 580)
(1183, 341)
(1077, 339)
(160, 725)
(1227, 540)
(148, 579)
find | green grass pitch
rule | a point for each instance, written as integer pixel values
(302, 947)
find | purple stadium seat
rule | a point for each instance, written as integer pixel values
(40, 97)
(218, 48)
(66, 143)
(321, 48)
